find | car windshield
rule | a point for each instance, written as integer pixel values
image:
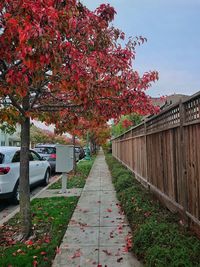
(45, 150)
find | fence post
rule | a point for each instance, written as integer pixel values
(182, 162)
(146, 156)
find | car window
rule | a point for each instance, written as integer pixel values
(16, 157)
(35, 156)
(6, 157)
(30, 156)
(45, 150)
(1, 158)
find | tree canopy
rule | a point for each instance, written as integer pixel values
(59, 63)
(66, 58)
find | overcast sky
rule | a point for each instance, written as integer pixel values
(172, 28)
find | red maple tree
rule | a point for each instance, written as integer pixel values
(60, 61)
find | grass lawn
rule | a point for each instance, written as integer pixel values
(78, 180)
(50, 217)
(159, 238)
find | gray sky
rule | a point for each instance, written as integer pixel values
(173, 46)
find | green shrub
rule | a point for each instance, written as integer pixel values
(158, 240)
(123, 181)
(117, 173)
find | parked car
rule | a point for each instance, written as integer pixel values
(47, 151)
(39, 171)
(80, 151)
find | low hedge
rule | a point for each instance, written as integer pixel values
(158, 237)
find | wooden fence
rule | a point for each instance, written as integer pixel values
(164, 154)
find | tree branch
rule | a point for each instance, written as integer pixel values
(16, 105)
(52, 107)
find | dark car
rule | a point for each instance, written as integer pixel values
(80, 151)
(47, 151)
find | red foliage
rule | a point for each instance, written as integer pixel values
(126, 123)
(66, 58)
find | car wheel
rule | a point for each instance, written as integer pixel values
(15, 198)
(46, 177)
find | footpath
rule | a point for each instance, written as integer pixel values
(98, 233)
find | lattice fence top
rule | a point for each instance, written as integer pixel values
(169, 118)
(164, 120)
(192, 109)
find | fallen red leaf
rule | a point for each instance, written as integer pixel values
(109, 210)
(107, 252)
(47, 240)
(35, 263)
(111, 235)
(120, 259)
(77, 254)
(29, 242)
(58, 250)
(147, 214)
(85, 211)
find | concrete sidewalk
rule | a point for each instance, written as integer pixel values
(98, 233)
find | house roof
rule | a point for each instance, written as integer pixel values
(166, 101)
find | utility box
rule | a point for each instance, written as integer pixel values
(64, 158)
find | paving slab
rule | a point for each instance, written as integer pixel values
(84, 236)
(89, 219)
(74, 257)
(113, 235)
(98, 230)
(116, 256)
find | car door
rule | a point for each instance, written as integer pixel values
(16, 163)
(37, 167)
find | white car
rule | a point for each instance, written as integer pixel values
(39, 171)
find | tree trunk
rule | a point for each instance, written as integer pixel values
(24, 187)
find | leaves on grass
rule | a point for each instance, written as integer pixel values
(46, 233)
